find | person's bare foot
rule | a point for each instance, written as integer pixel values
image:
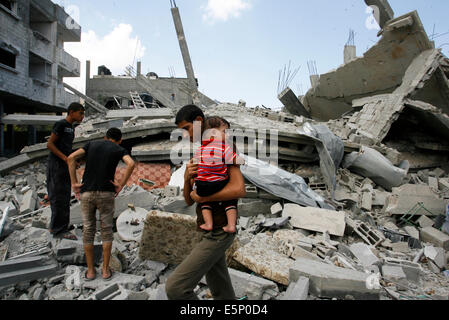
(206, 227)
(229, 229)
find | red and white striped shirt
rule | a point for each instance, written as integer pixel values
(213, 158)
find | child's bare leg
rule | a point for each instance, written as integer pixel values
(208, 221)
(232, 221)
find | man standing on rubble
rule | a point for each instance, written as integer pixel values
(208, 257)
(58, 179)
(98, 190)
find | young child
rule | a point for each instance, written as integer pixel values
(213, 158)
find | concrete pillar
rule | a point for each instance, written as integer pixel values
(185, 54)
(139, 68)
(54, 65)
(350, 53)
(10, 136)
(314, 80)
(292, 103)
(87, 76)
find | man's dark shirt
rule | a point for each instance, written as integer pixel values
(66, 135)
(102, 158)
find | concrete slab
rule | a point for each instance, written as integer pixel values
(404, 198)
(160, 113)
(261, 255)
(327, 280)
(26, 269)
(315, 219)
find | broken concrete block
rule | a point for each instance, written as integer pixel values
(26, 269)
(261, 256)
(327, 280)
(425, 221)
(253, 207)
(73, 278)
(176, 205)
(299, 252)
(276, 208)
(298, 290)
(394, 274)
(437, 255)
(28, 203)
(367, 201)
(128, 281)
(72, 252)
(168, 237)
(435, 237)
(412, 232)
(251, 286)
(59, 292)
(131, 295)
(108, 292)
(275, 223)
(433, 183)
(400, 247)
(369, 234)
(433, 267)
(443, 184)
(380, 197)
(315, 219)
(412, 270)
(408, 196)
(172, 191)
(364, 254)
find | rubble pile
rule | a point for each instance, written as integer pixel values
(352, 205)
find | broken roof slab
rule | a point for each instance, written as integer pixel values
(379, 71)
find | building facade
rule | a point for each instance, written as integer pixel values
(33, 61)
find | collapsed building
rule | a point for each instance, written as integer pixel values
(346, 192)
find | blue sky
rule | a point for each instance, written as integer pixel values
(237, 46)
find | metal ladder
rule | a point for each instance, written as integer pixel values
(137, 100)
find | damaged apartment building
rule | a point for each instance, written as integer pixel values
(353, 203)
(32, 68)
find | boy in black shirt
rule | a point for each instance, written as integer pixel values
(98, 190)
(58, 179)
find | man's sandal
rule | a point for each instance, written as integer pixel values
(89, 279)
(111, 273)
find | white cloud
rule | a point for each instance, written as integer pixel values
(116, 51)
(222, 10)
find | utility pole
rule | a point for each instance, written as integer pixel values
(185, 54)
